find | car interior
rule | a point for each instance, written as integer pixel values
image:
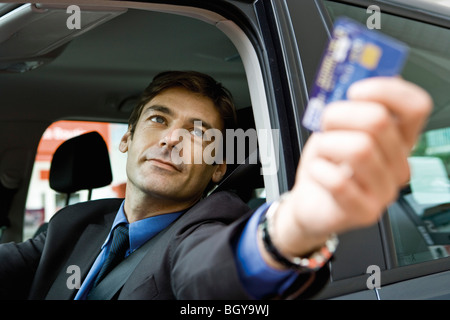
(96, 73)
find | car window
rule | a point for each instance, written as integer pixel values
(42, 201)
(92, 81)
(420, 220)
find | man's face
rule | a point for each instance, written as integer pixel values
(151, 168)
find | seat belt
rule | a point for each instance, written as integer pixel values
(117, 277)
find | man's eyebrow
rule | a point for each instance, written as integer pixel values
(160, 108)
(204, 123)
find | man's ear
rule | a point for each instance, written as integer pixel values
(219, 172)
(123, 146)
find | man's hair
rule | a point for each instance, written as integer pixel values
(195, 82)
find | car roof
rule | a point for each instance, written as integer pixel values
(99, 74)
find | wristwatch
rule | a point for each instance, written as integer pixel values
(313, 261)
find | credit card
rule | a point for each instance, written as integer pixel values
(354, 52)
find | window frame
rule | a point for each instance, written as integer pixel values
(244, 37)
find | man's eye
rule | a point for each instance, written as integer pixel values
(198, 132)
(157, 119)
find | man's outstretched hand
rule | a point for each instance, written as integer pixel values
(353, 168)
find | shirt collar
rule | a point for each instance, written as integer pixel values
(142, 230)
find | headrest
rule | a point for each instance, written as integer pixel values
(81, 163)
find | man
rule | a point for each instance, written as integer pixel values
(215, 248)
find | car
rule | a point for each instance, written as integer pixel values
(67, 69)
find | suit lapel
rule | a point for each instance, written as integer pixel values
(83, 255)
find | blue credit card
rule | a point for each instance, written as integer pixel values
(354, 52)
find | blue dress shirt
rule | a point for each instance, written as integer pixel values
(139, 232)
(257, 277)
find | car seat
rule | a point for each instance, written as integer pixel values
(80, 163)
(244, 177)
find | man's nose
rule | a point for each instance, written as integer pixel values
(173, 137)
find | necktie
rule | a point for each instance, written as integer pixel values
(119, 245)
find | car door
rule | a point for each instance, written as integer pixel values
(405, 255)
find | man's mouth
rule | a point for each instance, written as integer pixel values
(164, 164)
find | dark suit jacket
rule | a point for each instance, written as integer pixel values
(193, 258)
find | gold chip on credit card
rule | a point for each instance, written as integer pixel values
(370, 56)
